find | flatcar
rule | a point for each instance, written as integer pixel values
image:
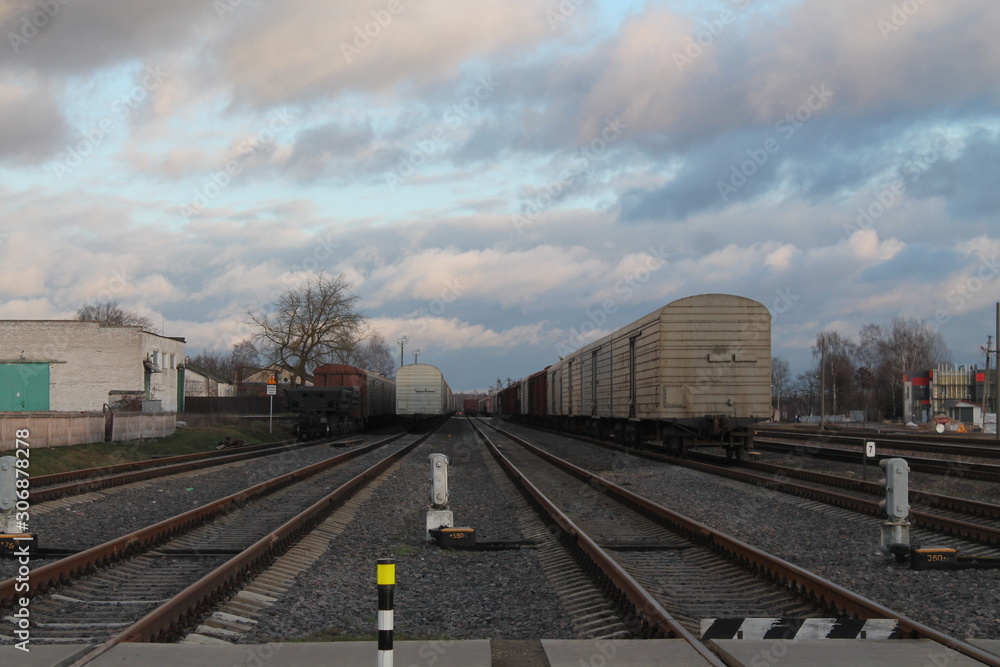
(343, 399)
(695, 371)
(422, 395)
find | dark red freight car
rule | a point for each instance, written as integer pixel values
(343, 399)
(537, 393)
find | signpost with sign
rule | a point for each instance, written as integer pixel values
(869, 454)
(272, 389)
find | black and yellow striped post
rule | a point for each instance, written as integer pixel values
(386, 579)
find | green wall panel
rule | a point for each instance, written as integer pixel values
(24, 387)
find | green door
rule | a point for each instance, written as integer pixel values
(24, 387)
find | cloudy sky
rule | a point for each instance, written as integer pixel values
(503, 179)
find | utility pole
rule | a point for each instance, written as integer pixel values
(822, 381)
(986, 381)
(402, 341)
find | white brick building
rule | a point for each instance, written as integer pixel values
(201, 382)
(73, 366)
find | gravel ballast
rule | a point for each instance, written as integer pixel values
(840, 546)
(114, 512)
(440, 594)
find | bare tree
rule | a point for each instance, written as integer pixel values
(903, 346)
(780, 375)
(307, 325)
(110, 313)
(805, 389)
(373, 354)
(243, 354)
(840, 352)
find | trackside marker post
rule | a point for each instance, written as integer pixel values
(272, 389)
(386, 580)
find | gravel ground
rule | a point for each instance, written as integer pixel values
(949, 485)
(123, 510)
(963, 603)
(503, 594)
(439, 594)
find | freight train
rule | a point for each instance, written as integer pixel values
(343, 399)
(422, 396)
(693, 372)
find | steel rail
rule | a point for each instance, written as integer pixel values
(170, 618)
(114, 469)
(948, 444)
(954, 503)
(652, 613)
(957, 527)
(64, 569)
(979, 471)
(826, 592)
(139, 474)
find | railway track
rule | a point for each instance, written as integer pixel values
(671, 570)
(974, 521)
(45, 488)
(966, 469)
(963, 445)
(971, 520)
(151, 584)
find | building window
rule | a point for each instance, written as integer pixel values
(156, 361)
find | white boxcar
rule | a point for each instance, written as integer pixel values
(422, 393)
(700, 367)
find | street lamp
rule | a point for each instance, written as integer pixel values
(416, 355)
(401, 340)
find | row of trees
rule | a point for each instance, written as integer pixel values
(866, 375)
(306, 326)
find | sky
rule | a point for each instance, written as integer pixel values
(504, 180)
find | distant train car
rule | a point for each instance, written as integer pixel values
(696, 370)
(343, 399)
(422, 395)
(470, 406)
(378, 393)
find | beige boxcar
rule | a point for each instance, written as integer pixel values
(698, 368)
(422, 393)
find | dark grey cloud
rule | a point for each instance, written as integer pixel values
(968, 181)
(335, 151)
(915, 263)
(32, 128)
(59, 38)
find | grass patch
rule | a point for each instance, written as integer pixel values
(200, 435)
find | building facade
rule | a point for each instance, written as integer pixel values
(959, 392)
(199, 382)
(73, 366)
